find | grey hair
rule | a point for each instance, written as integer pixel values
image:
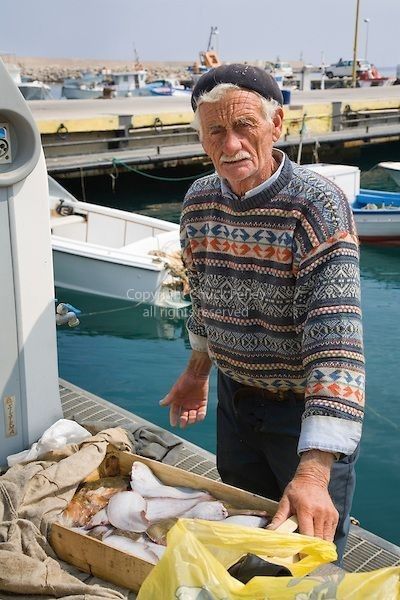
(268, 107)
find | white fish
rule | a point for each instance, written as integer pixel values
(100, 518)
(247, 521)
(127, 510)
(78, 529)
(139, 548)
(211, 511)
(155, 548)
(157, 532)
(148, 485)
(167, 508)
(100, 532)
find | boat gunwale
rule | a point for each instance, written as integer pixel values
(116, 256)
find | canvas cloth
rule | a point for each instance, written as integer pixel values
(148, 441)
(32, 496)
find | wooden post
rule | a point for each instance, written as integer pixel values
(302, 132)
(354, 74)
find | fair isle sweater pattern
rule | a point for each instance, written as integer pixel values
(275, 288)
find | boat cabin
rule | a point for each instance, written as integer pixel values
(124, 83)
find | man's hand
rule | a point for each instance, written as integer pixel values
(188, 398)
(307, 497)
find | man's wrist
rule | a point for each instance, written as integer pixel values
(324, 456)
(199, 365)
(315, 466)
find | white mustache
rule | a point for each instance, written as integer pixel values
(239, 156)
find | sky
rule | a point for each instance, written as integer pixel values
(312, 30)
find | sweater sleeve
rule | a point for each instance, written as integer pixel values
(328, 315)
(194, 324)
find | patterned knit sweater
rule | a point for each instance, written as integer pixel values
(275, 292)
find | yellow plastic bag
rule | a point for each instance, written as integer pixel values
(194, 567)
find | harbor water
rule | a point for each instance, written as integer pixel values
(132, 354)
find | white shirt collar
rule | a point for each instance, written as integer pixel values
(279, 157)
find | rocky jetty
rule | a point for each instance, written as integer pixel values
(57, 69)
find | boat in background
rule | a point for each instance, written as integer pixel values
(377, 217)
(114, 253)
(392, 169)
(126, 83)
(88, 86)
(166, 87)
(107, 84)
(372, 78)
(376, 213)
(31, 89)
(208, 59)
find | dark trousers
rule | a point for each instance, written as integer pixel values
(257, 440)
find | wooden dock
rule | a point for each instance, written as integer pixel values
(87, 135)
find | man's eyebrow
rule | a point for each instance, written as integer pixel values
(215, 126)
(246, 119)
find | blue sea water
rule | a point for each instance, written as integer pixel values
(131, 355)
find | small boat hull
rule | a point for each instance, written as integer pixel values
(113, 253)
(32, 91)
(378, 226)
(377, 217)
(77, 93)
(105, 278)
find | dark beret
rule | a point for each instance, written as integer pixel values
(245, 76)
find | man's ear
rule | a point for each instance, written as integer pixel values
(277, 121)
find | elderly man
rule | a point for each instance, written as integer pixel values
(272, 257)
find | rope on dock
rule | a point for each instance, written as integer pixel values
(111, 310)
(116, 161)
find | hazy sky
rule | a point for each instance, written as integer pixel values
(178, 29)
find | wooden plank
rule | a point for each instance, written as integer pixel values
(170, 475)
(96, 558)
(289, 526)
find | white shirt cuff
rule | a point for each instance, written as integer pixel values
(329, 434)
(198, 342)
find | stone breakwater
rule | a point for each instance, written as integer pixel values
(56, 70)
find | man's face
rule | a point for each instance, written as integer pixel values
(239, 140)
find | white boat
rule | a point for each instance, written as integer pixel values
(393, 169)
(34, 89)
(114, 253)
(107, 84)
(165, 87)
(87, 87)
(127, 83)
(376, 213)
(29, 88)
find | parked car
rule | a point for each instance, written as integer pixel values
(344, 68)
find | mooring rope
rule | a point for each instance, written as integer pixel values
(116, 161)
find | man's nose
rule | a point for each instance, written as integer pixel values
(232, 143)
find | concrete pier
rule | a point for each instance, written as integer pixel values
(83, 133)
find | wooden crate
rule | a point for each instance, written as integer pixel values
(95, 557)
